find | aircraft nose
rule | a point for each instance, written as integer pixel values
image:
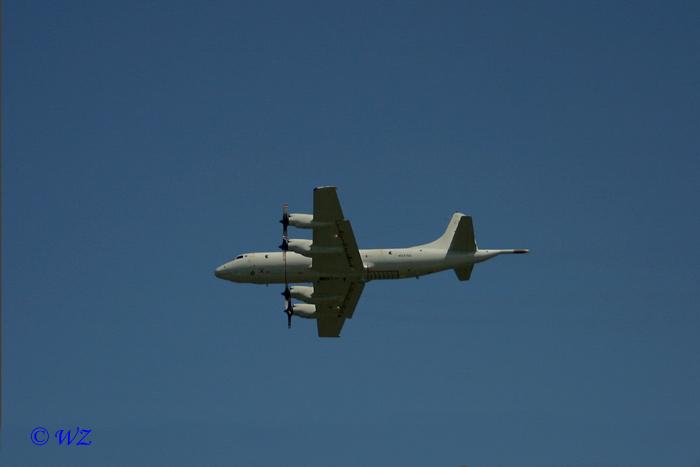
(219, 272)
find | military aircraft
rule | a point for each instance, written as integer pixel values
(339, 270)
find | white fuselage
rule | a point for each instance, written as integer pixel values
(398, 263)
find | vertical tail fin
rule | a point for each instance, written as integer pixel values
(459, 235)
(458, 238)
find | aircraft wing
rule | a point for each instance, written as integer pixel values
(333, 238)
(336, 300)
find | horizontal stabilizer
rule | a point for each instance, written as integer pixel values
(464, 273)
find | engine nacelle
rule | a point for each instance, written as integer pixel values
(306, 294)
(303, 293)
(306, 221)
(302, 221)
(304, 310)
(305, 247)
(301, 246)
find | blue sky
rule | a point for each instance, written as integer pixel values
(145, 143)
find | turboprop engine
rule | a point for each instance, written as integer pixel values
(300, 245)
(305, 247)
(305, 221)
(302, 221)
(306, 294)
(303, 293)
(304, 310)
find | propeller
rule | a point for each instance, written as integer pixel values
(288, 307)
(285, 222)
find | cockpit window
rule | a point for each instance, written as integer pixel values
(239, 256)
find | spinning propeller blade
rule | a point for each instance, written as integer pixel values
(285, 219)
(284, 246)
(288, 307)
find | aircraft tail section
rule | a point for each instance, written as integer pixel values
(459, 235)
(458, 238)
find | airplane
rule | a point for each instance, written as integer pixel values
(338, 270)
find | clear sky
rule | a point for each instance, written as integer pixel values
(147, 142)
